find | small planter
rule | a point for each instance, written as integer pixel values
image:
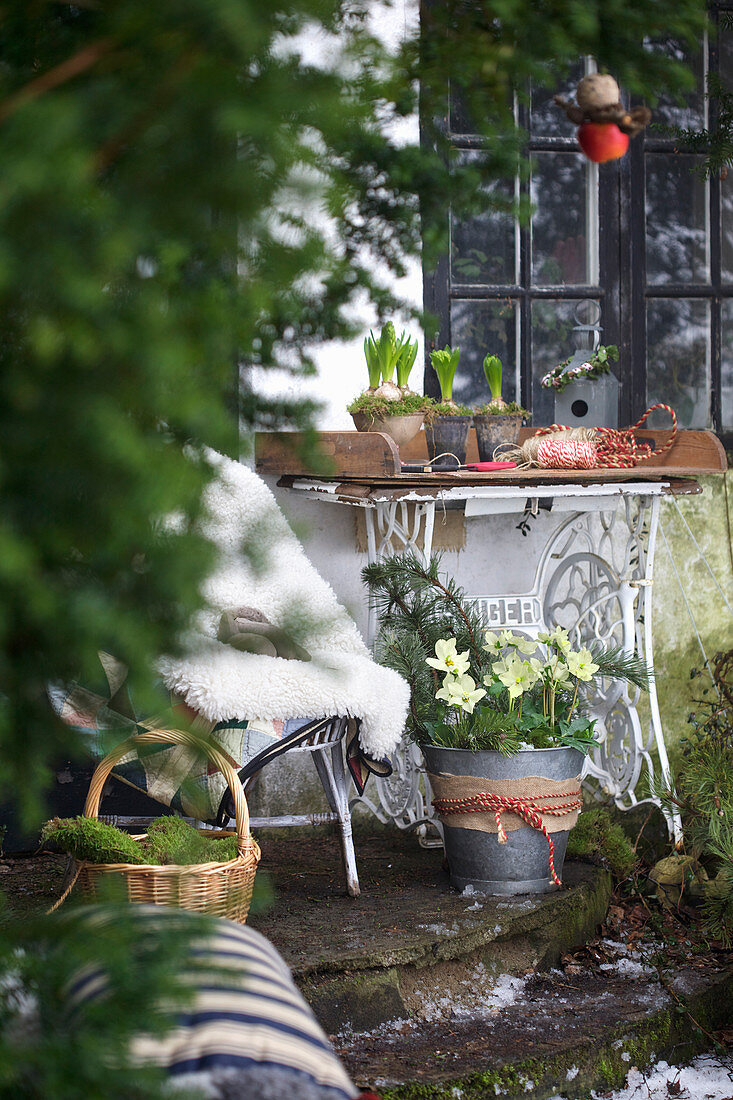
(492, 430)
(399, 428)
(448, 436)
(475, 856)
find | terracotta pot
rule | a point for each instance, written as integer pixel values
(400, 428)
(492, 429)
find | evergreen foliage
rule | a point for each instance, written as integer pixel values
(47, 1050)
(425, 615)
(715, 145)
(417, 607)
(702, 793)
(165, 168)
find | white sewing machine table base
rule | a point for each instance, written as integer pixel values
(593, 576)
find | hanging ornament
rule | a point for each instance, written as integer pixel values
(604, 125)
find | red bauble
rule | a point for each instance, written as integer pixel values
(602, 141)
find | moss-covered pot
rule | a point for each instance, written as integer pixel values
(447, 436)
(493, 429)
(476, 858)
(400, 428)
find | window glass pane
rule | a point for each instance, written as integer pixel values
(461, 119)
(676, 204)
(678, 360)
(480, 328)
(726, 228)
(689, 113)
(553, 340)
(560, 245)
(726, 185)
(726, 364)
(547, 119)
(483, 247)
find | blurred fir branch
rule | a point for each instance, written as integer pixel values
(191, 199)
(714, 145)
(50, 1047)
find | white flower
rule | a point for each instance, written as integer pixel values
(509, 640)
(460, 691)
(517, 676)
(581, 665)
(447, 658)
(493, 642)
(560, 673)
(558, 637)
(539, 667)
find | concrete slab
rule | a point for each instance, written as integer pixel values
(363, 961)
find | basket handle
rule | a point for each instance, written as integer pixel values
(175, 737)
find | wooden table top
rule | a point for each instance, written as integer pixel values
(371, 460)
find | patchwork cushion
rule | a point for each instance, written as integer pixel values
(177, 776)
(174, 775)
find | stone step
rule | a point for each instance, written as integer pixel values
(409, 943)
(546, 1036)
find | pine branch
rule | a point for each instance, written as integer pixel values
(408, 572)
(617, 664)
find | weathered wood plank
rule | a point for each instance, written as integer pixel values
(370, 456)
(339, 454)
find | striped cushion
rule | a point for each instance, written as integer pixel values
(247, 1017)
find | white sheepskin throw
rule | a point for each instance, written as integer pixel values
(262, 565)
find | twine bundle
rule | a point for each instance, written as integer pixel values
(527, 455)
(560, 447)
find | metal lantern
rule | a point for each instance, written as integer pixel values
(586, 403)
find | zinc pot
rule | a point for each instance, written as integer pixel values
(477, 859)
(447, 436)
(491, 430)
(399, 428)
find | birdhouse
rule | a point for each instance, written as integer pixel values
(588, 392)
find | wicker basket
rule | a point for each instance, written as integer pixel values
(220, 889)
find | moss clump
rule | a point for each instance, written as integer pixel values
(598, 839)
(379, 408)
(447, 408)
(170, 840)
(91, 840)
(508, 408)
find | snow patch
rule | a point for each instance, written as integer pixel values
(629, 968)
(708, 1077)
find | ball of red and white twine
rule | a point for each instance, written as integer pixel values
(562, 448)
(567, 454)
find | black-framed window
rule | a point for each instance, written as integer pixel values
(646, 237)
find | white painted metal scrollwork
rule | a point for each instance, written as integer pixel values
(403, 797)
(594, 578)
(600, 591)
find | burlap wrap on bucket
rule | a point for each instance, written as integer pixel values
(550, 799)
